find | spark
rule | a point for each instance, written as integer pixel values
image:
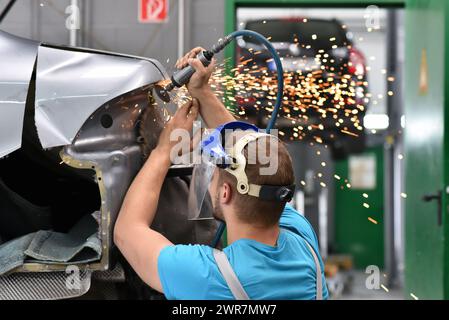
(349, 133)
(413, 296)
(372, 220)
(385, 288)
(314, 94)
(403, 195)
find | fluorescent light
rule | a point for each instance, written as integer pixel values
(376, 121)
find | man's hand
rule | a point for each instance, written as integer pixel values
(212, 109)
(199, 82)
(183, 120)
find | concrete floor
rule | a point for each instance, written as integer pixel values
(360, 292)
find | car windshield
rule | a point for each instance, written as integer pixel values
(317, 33)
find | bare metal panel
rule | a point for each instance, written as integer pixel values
(72, 83)
(17, 58)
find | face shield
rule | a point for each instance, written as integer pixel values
(200, 202)
(213, 155)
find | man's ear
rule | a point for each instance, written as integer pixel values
(226, 193)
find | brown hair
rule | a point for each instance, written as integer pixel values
(251, 209)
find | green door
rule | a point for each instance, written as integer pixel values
(424, 151)
(359, 230)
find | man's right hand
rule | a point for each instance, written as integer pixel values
(199, 82)
(211, 108)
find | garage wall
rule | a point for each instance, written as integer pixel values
(112, 25)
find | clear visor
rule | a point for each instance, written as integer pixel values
(200, 202)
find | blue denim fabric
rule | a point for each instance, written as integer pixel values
(80, 245)
(12, 253)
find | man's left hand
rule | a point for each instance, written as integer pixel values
(182, 120)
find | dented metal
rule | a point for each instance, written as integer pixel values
(72, 84)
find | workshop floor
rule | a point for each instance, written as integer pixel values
(360, 292)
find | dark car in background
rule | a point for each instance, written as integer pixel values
(325, 81)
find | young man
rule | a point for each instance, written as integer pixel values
(272, 249)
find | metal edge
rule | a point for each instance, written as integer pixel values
(155, 62)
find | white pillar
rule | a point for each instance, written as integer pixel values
(181, 32)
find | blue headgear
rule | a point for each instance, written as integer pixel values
(213, 147)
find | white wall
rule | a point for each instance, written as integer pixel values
(113, 25)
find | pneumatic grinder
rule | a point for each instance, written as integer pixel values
(183, 76)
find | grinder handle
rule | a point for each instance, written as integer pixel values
(183, 76)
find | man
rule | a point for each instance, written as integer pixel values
(272, 249)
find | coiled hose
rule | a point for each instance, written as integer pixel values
(279, 96)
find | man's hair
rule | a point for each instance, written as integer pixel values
(252, 209)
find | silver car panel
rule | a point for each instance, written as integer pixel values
(72, 83)
(17, 61)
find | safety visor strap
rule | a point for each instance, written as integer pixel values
(238, 168)
(272, 193)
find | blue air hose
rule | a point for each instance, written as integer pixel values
(279, 96)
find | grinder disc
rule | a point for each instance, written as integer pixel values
(162, 93)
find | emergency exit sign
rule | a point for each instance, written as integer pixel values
(153, 11)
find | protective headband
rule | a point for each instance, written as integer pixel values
(234, 161)
(237, 169)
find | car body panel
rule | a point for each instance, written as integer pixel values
(84, 112)
(17, 61)
(72, 84)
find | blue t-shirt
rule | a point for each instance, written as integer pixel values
(286, 271)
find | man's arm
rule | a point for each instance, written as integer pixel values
(139, 244)
(212, 110)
